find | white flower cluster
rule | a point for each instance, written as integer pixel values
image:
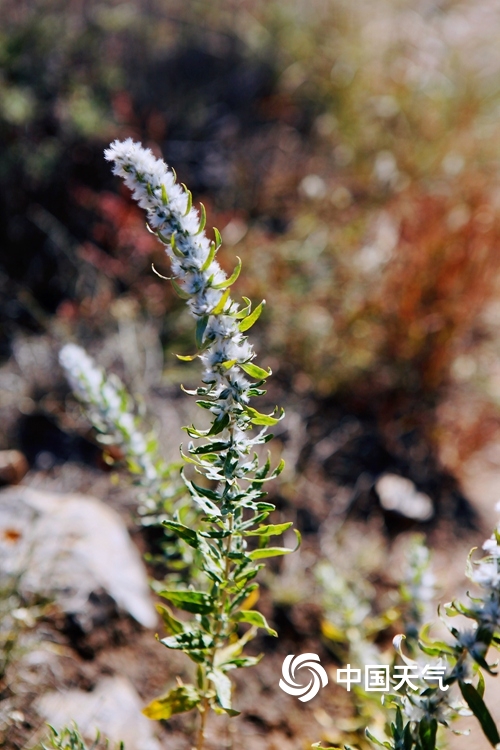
(486, 574)
(197, 275)
(108, 405)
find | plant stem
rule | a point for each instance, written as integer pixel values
(201, 730)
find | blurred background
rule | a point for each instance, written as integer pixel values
(348, 151)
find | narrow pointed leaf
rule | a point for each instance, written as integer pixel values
(172, 625)
(185, 533)
(218, 238)
(196, 602)
(175, 249)
(189, 203)
(177, 701)
(255, 371)
(248, 322)
(258, 418)
(179, 290)
(203, 219)
(219, 308)
(253, 617)
(272, 529)
(480, 711)
(210, 256)
(230, 281)
(201, 325)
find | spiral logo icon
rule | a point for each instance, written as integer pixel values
(317, 676)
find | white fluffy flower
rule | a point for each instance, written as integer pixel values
(107, 406)
(196, 276)
(492, 547)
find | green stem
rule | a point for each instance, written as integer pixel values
(201, 729)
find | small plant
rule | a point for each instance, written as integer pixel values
(70, 738)
(229, 537)
(113, 414)
(415, 711)
(357, 625)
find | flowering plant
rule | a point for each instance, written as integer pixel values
(229, 536)
(419, 708)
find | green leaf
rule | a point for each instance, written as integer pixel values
(264, 469)
(188, 535)
(223, 689)
(189, 204)
(260, 554)
(218, 238)
(427, 733)
(173, 244)
(480, 711)
(188, 641)
(245, 311)
(199, 494)
(278, 469)
(248, 322)
(480, 683)
(252, 617)
(272, 529)
(230, 281)
(203, 219)
(205, 404)
(172, 625)
(210, 256)
(179, 290)
(228, 363)
(220, 423)
(266, 507)
(376, 741)
(164, 196)
(255, 371)
(215, 446)
(219, 307)
(245, 661)
(177, 701)
(262, 419)
(186, 357)
(196, 602)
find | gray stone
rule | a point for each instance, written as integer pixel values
(73, 548)
(113, 708)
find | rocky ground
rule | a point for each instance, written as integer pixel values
(81, 602)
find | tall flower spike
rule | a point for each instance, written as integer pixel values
(232, 511)
(227, 355)
(197, 277)
(108, 406)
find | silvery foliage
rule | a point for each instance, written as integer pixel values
(354, 624)
(418, 713)
(231, 537)
(70, 738)
(112, 412)
(416, 590)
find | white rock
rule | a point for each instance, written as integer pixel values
(71, 547)
(400, 494)
(113, 708)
